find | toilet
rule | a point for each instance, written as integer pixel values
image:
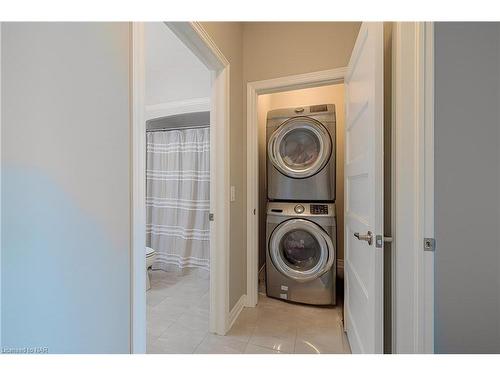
(150, 257)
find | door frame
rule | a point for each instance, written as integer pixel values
(413, 189)
(194, 36)
(254, 89)
(1, 25)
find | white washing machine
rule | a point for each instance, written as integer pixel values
(301, 252)
(301, 154)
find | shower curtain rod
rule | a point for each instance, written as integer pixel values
(178, 128)
(193, 120)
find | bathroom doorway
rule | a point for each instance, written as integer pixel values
(180, 120)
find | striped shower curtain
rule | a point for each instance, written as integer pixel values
(177, 198)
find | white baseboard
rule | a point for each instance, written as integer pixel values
(340, 268)
(236, 310)
(177, 107)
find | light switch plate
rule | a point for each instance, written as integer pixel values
(233, 193)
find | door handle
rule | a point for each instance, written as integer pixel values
(368, 237)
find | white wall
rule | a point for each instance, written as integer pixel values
(66, 187)
(467, 187)
(331, 94)
(173, 73)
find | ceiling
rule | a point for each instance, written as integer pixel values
(173, 72)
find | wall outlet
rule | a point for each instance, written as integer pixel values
(233, 194)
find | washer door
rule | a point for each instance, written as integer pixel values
(300, 147)
(301, 250)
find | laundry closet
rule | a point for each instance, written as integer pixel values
(301, 195)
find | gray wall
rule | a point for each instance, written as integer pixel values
(467, 189)
(66, 187)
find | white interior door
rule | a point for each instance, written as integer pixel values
(364, 192)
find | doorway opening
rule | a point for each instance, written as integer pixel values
(177, 112)
(363, 186)
(366, 236)
(181, 144)
(288, 228)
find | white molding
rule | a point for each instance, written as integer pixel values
(138, 233)
(236, 310)
(254, 89)
(1, 25)
(428, 340)
(194, 37)
(197, 39)
(413, 193)
(177, 107)
(219, 204)
(252, 198)
(299, 81)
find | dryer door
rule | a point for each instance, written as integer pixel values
(300, 147)
(301, 250)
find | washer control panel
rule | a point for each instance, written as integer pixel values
(319, 209)
(300, 209)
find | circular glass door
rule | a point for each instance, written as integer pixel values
(301, 250)
(300, 147)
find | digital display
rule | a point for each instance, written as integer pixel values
(319, 209)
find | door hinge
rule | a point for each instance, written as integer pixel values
(254, 211)
(379, 240)
(211, 217)
(429, 244)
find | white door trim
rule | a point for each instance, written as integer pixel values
(254, 89)
(138, 233)
(1, 184)
(428, 92)
(413, 194)
(195, 38)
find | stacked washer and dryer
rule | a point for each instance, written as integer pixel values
(301, 225)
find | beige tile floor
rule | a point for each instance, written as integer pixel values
(177, 322)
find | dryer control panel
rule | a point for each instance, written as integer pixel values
(319, 209)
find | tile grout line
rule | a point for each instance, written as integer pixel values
(197, 346)
(295, 340)
(250, 336)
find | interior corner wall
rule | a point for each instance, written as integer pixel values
(229, 38)
(467, 187)
(331, 94)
